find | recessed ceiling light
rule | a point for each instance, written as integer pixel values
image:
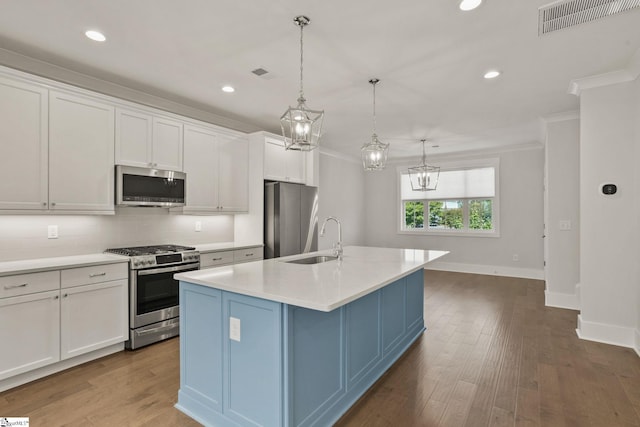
(95, 35)
(228, 89)
(469, 4)
(491, 74)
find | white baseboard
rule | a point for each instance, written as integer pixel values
(608, 334)
(27, 377)
(637, 345)
(493, 270)
(560, 300)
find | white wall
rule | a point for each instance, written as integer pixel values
(609, 231)
(521, 220)
(341, 194)
(25, 236)
(562, 161)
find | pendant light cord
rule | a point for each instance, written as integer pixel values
(374, 106)
(424, 156)
(301, 61)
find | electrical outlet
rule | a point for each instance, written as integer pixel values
(516, 257)
(52, 232)
(234, 329)
(565, 225)
(198, 226)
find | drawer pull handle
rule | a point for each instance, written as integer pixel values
(216, 259)
(56, 297)
(7, 287)
(248, 254)
(97, 274)
(65, 295)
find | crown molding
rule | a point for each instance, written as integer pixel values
(57, 73)
(627, 74)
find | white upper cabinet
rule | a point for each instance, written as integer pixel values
(145, 140)
(217, 168)
(81, 160)
(281, 164)
(23, 145)
(233, 173)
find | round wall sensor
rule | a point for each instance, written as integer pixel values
(609, 189)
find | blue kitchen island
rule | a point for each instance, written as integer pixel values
(276, 343)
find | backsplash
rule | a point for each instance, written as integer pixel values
(25, 236)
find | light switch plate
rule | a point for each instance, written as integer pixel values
(198, 226)
(52, 232)
(234, 329)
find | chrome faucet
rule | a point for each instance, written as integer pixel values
(337, 247)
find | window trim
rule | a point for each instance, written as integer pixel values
(453, 165)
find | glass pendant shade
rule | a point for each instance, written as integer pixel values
(424, 177)
(301, 127)
(374, 153)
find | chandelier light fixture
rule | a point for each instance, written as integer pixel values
(374, 153)
(424, 177)
(301, 127)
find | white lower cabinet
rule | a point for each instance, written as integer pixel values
(30, 332)
(92, 317)
(228, 257)
(55, 315)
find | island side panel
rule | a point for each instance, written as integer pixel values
(200, 394)
(228, 379)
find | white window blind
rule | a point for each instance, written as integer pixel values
(454, 184)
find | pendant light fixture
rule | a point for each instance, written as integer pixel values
(424, 177)
(374, 153)
(301, 127)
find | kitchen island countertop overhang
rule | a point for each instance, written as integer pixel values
(324, 286)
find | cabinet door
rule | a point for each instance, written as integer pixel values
(200, 165)
(233, 173)
(167, 144)
(295, 165)
(93, 317)
(133, 138)
(281, 164)
(30, 332)
(23, 146)
(81, 153)
(275, 166)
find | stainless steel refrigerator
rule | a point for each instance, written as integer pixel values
(290, 219)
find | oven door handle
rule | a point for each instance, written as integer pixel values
(175, 268)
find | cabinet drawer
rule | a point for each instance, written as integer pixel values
(211, 259)
(23, 284)
(245, 255)
(94, 274)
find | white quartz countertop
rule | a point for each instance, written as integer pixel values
(325, 286)
(43, 264)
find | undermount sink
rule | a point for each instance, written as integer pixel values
(313, 259)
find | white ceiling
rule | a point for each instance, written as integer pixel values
(429, 56)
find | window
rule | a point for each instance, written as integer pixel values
(465, 202)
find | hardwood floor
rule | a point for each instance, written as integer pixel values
(493, 354)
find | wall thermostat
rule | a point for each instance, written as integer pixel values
(609, 189)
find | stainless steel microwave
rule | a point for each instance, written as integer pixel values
(149, 187)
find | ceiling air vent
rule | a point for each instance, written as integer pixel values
(259, 72)
(567, 13)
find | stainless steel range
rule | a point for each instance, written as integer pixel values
(153, 292)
